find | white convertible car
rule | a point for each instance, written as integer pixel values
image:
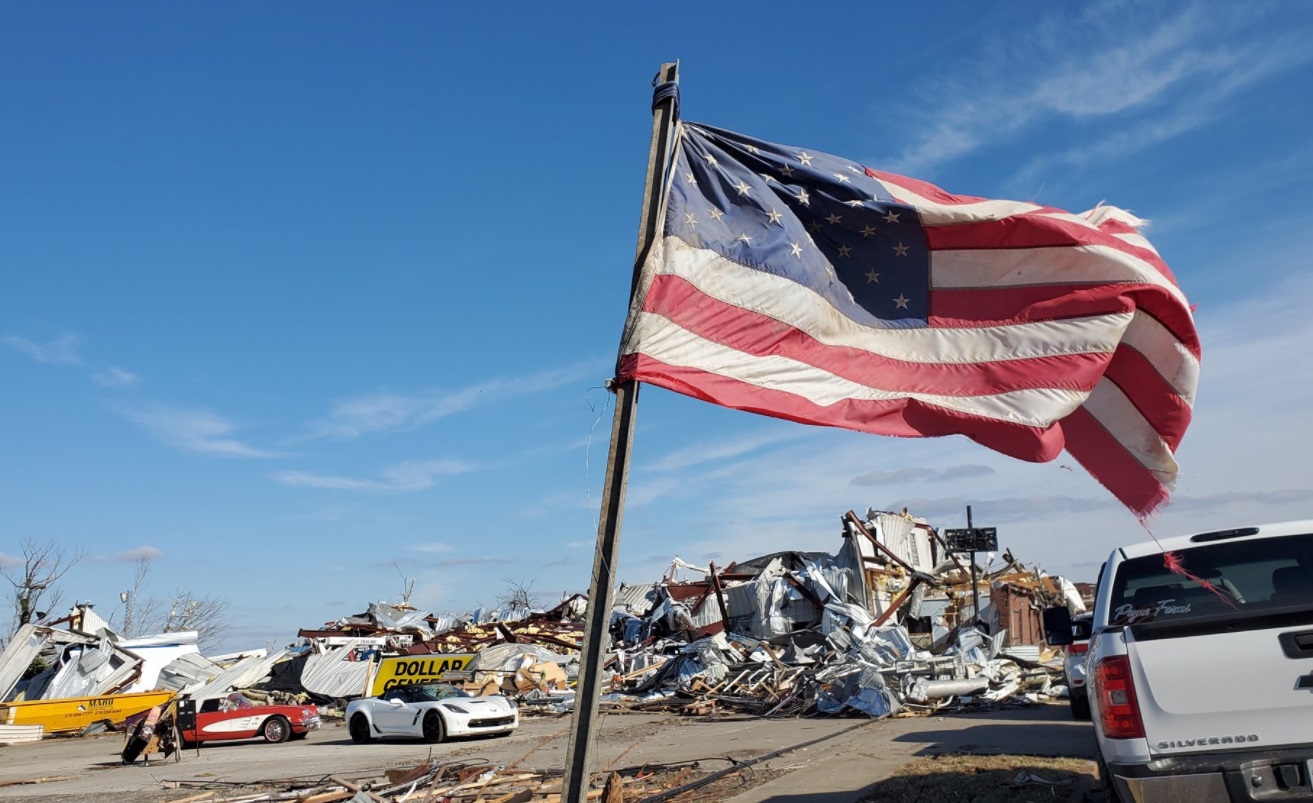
(431, 712)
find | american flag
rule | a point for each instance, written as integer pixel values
(805, 286)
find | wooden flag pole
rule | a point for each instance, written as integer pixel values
(583, 731)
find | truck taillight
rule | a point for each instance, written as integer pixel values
(1077, 649)
(1119, 711)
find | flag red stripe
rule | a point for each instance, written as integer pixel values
(900, 418)
(676, 299)
(1108, 461)
(987, 306)
(927, 190)
(1034, 231)
(1152, 395)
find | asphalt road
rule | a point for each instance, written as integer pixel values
(847, 756)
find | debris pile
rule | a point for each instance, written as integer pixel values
(476, 781)
(887, 624)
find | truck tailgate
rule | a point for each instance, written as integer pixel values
(1238, 689)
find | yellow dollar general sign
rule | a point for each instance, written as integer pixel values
(409, 670)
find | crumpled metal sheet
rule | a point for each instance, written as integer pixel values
(854, 685)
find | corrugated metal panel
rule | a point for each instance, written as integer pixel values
(240, 675)
(637, 599)
(506, 657)
(186, 670)
(905, 539)
(15, 734)
(332, 675)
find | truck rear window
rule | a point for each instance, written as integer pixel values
(1247, 577)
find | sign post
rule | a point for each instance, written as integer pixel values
(973, 540)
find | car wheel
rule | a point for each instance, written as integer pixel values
(276, 729)
(1080, 708)
(434, 730)
(359, 729)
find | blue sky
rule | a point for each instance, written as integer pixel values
(293, 295)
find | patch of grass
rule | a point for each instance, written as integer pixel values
(955, 778)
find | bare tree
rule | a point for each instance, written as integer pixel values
(408, 584)
(138, 611)
(518, 594)
(204, 614)
(34, 577)
(184, 610)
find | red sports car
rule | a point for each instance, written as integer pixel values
(237, 717)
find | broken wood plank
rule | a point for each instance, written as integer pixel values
(329, 797)
(614, 791)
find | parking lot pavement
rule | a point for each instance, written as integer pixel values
(840, 770)
(833, 759)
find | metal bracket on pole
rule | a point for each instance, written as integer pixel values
(583, 731)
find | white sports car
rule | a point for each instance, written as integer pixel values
(431, 712)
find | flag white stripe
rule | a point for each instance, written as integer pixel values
(1005, 267)
(783, 300)
(665, 341)
(934, 213)
(1119, 416)
(1178, 367)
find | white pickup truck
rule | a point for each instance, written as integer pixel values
(1201, 679)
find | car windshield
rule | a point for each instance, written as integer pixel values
(435, 691)
(1230, 578)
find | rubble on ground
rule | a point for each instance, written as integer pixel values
(886, 625)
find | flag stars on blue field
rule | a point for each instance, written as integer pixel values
(778, 210)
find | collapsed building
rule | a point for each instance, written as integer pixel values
(886, 623)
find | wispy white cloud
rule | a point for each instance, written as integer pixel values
(1215, 79)
(399, 412)
(113, 377)
(723, 450)
(1157, 74)
(63, 350)
(895, 476)
(434, 546)
(407, 477)
(9, 561)
(194, 430)
(144, 552)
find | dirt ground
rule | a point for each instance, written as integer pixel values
(951, 778)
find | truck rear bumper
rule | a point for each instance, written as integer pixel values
(1235, 777)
